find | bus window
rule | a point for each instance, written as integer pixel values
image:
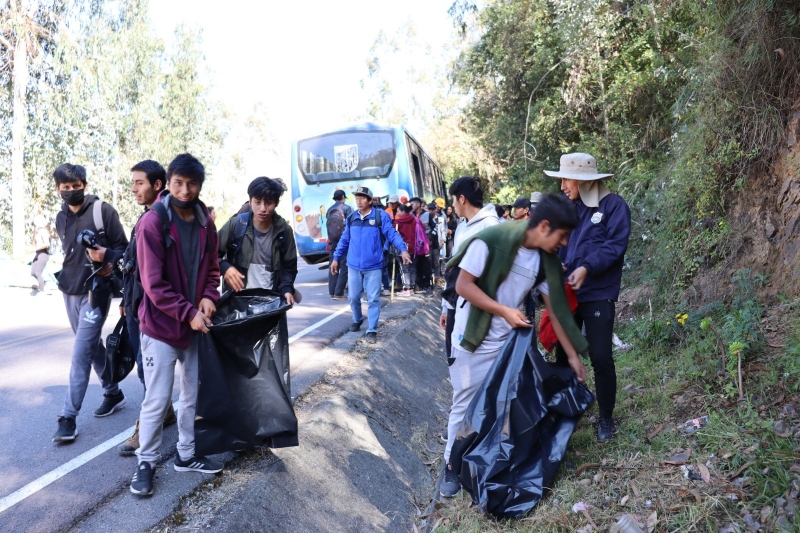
(414, 164)
(346, 156)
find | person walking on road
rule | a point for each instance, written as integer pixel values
(41, 240)
(265, 254)
(499, 267)
(180, 276)
(147, 181)
(362, 243)
(81, 212)
(335, 217)
(594, 259)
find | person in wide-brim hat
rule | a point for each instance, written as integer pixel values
(594, 257)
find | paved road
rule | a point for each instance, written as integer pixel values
(35, 350)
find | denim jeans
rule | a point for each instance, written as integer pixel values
(368, 281)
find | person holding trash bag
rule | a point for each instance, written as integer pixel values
(87, 303)
(148, 178)
(362, 241)
(594, 259)
(257, 249)
(179, 271)
(499, 267)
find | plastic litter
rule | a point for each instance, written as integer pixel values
(516, 430)
(244, 396)
(626, 524)
(692, 425)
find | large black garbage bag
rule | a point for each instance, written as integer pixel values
(244, 397)
(516, 429)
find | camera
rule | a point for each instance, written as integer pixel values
(88, 239)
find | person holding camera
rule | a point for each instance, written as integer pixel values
(79, 215)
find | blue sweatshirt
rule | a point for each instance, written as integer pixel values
(599, 244)
(362, 240)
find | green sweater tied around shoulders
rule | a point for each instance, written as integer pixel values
(504, 241)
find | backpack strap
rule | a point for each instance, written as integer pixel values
(97, 217)
(163, 217)
(540, 276)
(237, 235)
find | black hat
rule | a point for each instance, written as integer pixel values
(522, 202)
(432, 205)
(364, 191)
(338, 195)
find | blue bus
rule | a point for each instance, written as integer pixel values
(387, 159)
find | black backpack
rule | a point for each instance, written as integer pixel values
(335, 224)
(237, 236)
(132, 290)
(433, 232)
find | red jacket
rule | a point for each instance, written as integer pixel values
(406, 225)
(547, 335)
(165, 313)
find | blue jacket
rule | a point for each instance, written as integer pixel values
(362, 240)
(599, 246)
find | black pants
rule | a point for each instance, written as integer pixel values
(424, 271)
(598, 318)
(337, 283)
(448, 332)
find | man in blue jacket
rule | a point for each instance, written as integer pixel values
(594, 259)
(362, 241)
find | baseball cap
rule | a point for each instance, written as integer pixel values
(364, 191)
(339, 194)
(440, 202)
(432, 205)
(393, 198)
(522, 202)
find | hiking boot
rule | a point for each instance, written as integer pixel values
(197, 464)
(371, 337)
(355, 326)
(111, 404)
(170, 418)
(128, 448)
(142, 482)
(450, 484)
(605, 429)
(338, 297)
(67, 431)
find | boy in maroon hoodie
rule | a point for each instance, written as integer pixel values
(180, 276)
(406, 224)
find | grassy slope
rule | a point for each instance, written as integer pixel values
(749, 464)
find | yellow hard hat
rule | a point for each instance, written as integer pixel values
(440, 202)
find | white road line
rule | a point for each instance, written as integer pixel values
(35, 486)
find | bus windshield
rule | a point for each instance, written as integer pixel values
(346, 156)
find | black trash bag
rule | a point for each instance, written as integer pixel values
(244, 395)
(120, 358)
(516, 429)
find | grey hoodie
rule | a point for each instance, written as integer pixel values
(485, 218)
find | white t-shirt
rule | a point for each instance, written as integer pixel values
(511, 293)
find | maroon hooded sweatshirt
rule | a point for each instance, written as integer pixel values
(406, 227)
(165, 313)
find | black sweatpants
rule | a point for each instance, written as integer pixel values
(448, 332)
(598, 318)
(424, 271)
(337, 283)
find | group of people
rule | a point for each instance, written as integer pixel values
(375, 248)
(172, 268)
(585, 231)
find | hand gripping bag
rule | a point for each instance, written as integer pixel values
(244, 395)
(516, 429)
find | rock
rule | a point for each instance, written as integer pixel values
(770, 230)
(585, 482)
(783, 524)
(764, 514)
(781, 428)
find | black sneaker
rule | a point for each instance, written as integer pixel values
(371, 337)
(197, 464)
(450, 485)
(355, 326)
(142, 482)
(111, 404)
(443, 436)
(605, 429)
(66, 430)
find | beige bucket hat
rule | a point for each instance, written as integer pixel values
(577, 166)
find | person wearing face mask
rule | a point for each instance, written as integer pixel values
(78, 214)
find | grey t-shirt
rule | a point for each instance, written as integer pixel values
(259, 274)
(189, 234)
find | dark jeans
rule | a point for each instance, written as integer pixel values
(598, 318)
(133, 335)
(424, 271)
(337, 283)
(448, 332)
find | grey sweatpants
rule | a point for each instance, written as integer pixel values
(87, 352)
(159, 373)
(467, 374)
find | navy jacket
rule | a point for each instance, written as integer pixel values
(362, 240)
(599, 244)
